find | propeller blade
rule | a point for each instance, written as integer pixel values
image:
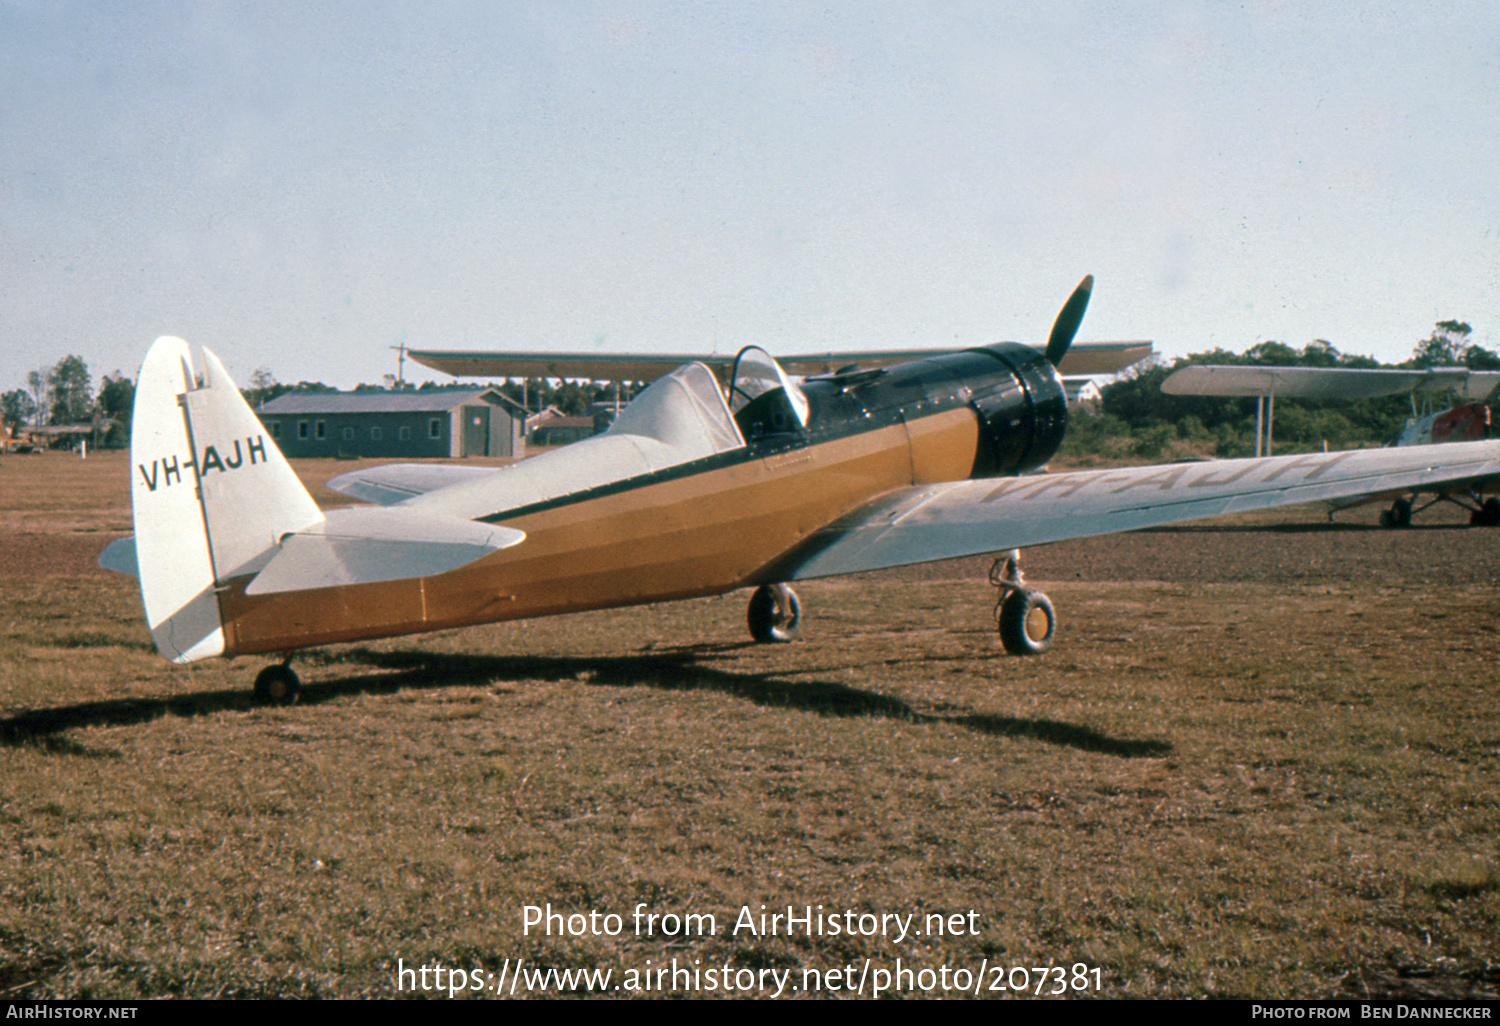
(1068, 320)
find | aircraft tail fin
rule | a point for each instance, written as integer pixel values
(211, 493)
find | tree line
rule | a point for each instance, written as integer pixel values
(1135, 416)
(63, 396)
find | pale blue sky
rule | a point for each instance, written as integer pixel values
(301, 185)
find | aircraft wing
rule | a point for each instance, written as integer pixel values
(966, 518)
(1327, 382)
(1082, 359)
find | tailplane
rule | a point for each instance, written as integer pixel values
(211, 492)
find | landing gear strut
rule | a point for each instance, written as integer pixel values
(1025, 617)
(775, 614)
(1482, 512)
(277, 685)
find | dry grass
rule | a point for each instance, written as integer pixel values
(1239, 789)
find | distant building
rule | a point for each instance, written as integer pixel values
(1083, 392)
(429, 423)
(553, 427)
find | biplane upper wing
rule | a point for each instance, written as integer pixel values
(1083, 358)
(966, 518)
(1327, 382)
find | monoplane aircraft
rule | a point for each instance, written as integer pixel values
(696, 489)
(1468, 420)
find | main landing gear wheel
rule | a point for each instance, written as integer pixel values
(775, 614)
(1027, 622)
(1024, 616)
(277, 685)
(1487, 515)
(1399, 515)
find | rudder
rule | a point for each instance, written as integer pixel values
(210, 491)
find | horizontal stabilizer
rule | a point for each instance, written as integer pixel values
(368, 544)
(396, 482)
(120, 557)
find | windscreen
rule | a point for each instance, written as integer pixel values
(763, 399)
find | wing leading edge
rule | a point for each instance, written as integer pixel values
(1084, 358)
(967, 518)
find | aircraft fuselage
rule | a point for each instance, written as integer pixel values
(712, 525)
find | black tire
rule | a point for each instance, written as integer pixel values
(1399, 515)
(775, 614)
(1027, 623)
(277, 685)
(1487, 515)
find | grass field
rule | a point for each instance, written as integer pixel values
(1243, 781)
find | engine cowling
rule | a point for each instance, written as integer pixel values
(1012, 389)
(1022, 408)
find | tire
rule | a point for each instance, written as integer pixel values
(775, 614)
(1027, 623)
(277, 685)
(1487, 515)
(1399, 515)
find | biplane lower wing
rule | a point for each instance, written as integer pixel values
(965, 518)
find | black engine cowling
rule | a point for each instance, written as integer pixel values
(1023, 410)
(1012, 389)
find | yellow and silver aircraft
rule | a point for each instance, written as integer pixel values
(696, 489)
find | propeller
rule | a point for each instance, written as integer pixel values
(1068, 320)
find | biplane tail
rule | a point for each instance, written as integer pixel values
(212, 496)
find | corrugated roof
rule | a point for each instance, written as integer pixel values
(431, 400)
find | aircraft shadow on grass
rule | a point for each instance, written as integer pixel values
(682, 669)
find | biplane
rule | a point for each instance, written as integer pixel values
(699, 487)
(1469, 419)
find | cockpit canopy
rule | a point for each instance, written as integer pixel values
(685, 411)
(765, 402)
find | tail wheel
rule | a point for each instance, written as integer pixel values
(1027, 622)
(775, 614)
(277, 685)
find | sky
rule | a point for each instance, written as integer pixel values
(303, 186)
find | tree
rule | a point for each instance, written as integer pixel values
(117, 402)
(70, 392)
(36, 381)
(1445, 347)
(1273, 354)
(17, 408)
(1481, 359)
(263, 388)
(1320, 353)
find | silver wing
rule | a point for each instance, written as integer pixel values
(1327, 382)
(966, 518)
(1084, 358)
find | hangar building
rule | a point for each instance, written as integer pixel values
(428, 423)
